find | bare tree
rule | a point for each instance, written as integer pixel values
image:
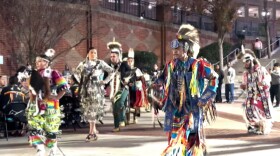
(224, 13)
(36, 25)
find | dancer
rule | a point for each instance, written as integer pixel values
(47, 86)
(90, 74)
(258, 106)
(118, 85)
(137, 89)
(186, 100)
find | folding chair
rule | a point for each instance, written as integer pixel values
(3, 125)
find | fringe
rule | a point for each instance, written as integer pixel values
(210, 112)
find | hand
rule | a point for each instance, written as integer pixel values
(243, 86)
(154, 85)
(53, 97)
(260, 84)
(102, 82)
(125, 83)
(199, 104)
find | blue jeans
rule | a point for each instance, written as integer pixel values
(229, 92)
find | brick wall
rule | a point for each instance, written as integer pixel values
(130, 31)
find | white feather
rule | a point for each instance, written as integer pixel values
(23, 75)
(50, 52)
(242, 49)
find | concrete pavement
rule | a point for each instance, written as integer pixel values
(227, 136)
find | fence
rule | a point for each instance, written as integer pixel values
(273, 46)
(148, 10)
(232, 56)
(138, 8)
(269, 66)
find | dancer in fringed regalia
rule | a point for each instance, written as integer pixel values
(118, 85)
(90, 75)
(47, 86)
(186, 100)
(258, 107)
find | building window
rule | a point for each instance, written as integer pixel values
(253, 11)
(269, 13)
(277, 15)
(241, 11)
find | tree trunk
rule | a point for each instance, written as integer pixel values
(221, 52)
(268, 40)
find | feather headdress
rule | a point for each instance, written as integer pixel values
(50, 52)
(247, 54)
(189, 36)
(115, 47)
(130, 53)
(47, 56)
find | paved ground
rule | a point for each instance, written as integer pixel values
(227, 136)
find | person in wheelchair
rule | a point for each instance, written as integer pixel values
(13, 106)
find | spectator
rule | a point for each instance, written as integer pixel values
(155, 72)
(275, 84)
(258, 47)
(277, 41)
(229, 81)
(25, 90)
(220, 72)
(3, 82)
(66, 71)
(7, 94)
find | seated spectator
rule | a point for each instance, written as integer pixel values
(3, 82)
(12, 94)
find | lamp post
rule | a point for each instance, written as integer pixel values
(266, 16)
(243, 34)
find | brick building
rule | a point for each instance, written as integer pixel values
(144, 27)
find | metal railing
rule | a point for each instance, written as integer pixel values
(138, 8)
(273, 46)
(232, 56)
(269, 66)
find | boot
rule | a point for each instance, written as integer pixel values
(40, 150)
(53, 150)
(116, 129)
